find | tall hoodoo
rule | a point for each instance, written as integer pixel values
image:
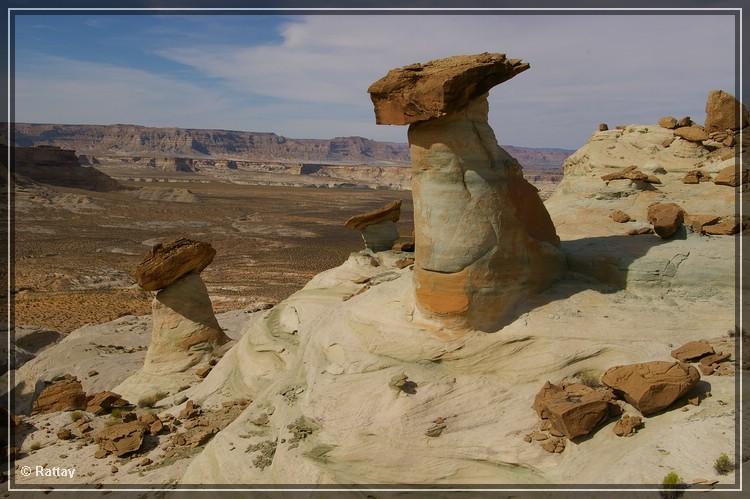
(185, 331)
(483, 236)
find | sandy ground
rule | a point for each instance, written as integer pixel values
(75, 249)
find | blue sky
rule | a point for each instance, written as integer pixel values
(307, 76)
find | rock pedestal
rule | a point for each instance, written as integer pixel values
(378, 227)
(185, 331)
(483, 238)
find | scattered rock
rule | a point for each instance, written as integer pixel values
(437, 428)
(730, 176)
(103, 402)
(619, 216)
(715, 358)
(725, 227)
(64, 434)
(692, 133)
(61, 394)
(627, 426)
(603, 127)
(666, 218)
(145, 461)
(694, 400)
(121, 438)
(191, 410)
(697, 222)
(152, 423)
(651, 386)
(668, 122)
(404, 262)
(202, 372)
(706, 370)
(554, 445)
(692, 351)
(628, 173)
(684, 122)
(574, 409)
(721, 112)
(403, 383)
(167, 262)
(93, 373)
(695, 177)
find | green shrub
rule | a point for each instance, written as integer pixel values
(672, 481)
(590, 378)
(116, 413)
(76, 415)
(35, 446)
(723, 465)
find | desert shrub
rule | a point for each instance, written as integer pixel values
(723, 465)
(672, 481)
(116, 413)
(590, 378)
(76, 415)
(35, 446)
(151, 400)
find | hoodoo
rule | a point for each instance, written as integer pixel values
(185, 333)
(483, 236)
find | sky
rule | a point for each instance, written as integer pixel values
(307, 76)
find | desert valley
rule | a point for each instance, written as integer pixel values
(217, 307)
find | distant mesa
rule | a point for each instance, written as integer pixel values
(484, 239)
(55, 166)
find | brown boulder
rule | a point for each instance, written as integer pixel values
(152, 423)
(697, 222)
(121, 438)
(692, 351)
(628, 173)
(64, 434)
(730, 176)
(166, 263)
(603, 127)
(619, 216)
(62, 394)
(668, 122)
(651, 386)
(103, 402)
(574, 409)
(627, 426)
(715, 358)
(692, 133)
(724, 112)
(391, 211)
(683, 122)
(420, 92)
(726, 227)
(695, 177)
(666, 218)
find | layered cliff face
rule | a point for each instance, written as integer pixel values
(144, 141)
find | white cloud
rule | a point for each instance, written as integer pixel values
(585, 69)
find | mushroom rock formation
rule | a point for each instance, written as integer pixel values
(378, 227)
(185, 332)
(724, 112)
(483, 238)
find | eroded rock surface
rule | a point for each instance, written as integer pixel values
(484, 239)
(378, 226)
(120, 439)
(651, 386)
